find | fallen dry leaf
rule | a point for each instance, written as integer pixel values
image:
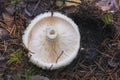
(108, 5)
(72, 2)
(103, 5)
(7, 18)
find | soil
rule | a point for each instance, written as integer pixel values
(98, 57)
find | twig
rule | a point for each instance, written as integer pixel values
(99, 66)
(83, 66)
(117, 35)
(5, 48)
(104, 54)
(36, 5)
(51, 13)
(27, 48)
(59, 56)
(50, 67)
(88, 74)
(27, 12)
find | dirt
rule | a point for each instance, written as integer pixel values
(98, 57)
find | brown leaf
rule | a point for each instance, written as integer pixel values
(7, 18)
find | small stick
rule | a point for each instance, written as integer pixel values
(99, 66)
(5, 48)
(59, 56)
(51, 13)
(27, 48)
(36, 5)
(50, 67)
(104, 54)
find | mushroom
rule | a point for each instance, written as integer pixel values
(53, 41)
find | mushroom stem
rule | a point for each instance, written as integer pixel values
(51, 33)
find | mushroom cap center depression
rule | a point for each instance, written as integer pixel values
(51, 33)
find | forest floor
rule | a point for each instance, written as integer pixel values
(98, 58)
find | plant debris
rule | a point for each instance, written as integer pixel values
(72, 2)
(108, 5)
(3, 34)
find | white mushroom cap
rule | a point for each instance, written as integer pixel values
(54, 41)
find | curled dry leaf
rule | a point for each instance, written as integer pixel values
(72, 2)
(108, 5)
